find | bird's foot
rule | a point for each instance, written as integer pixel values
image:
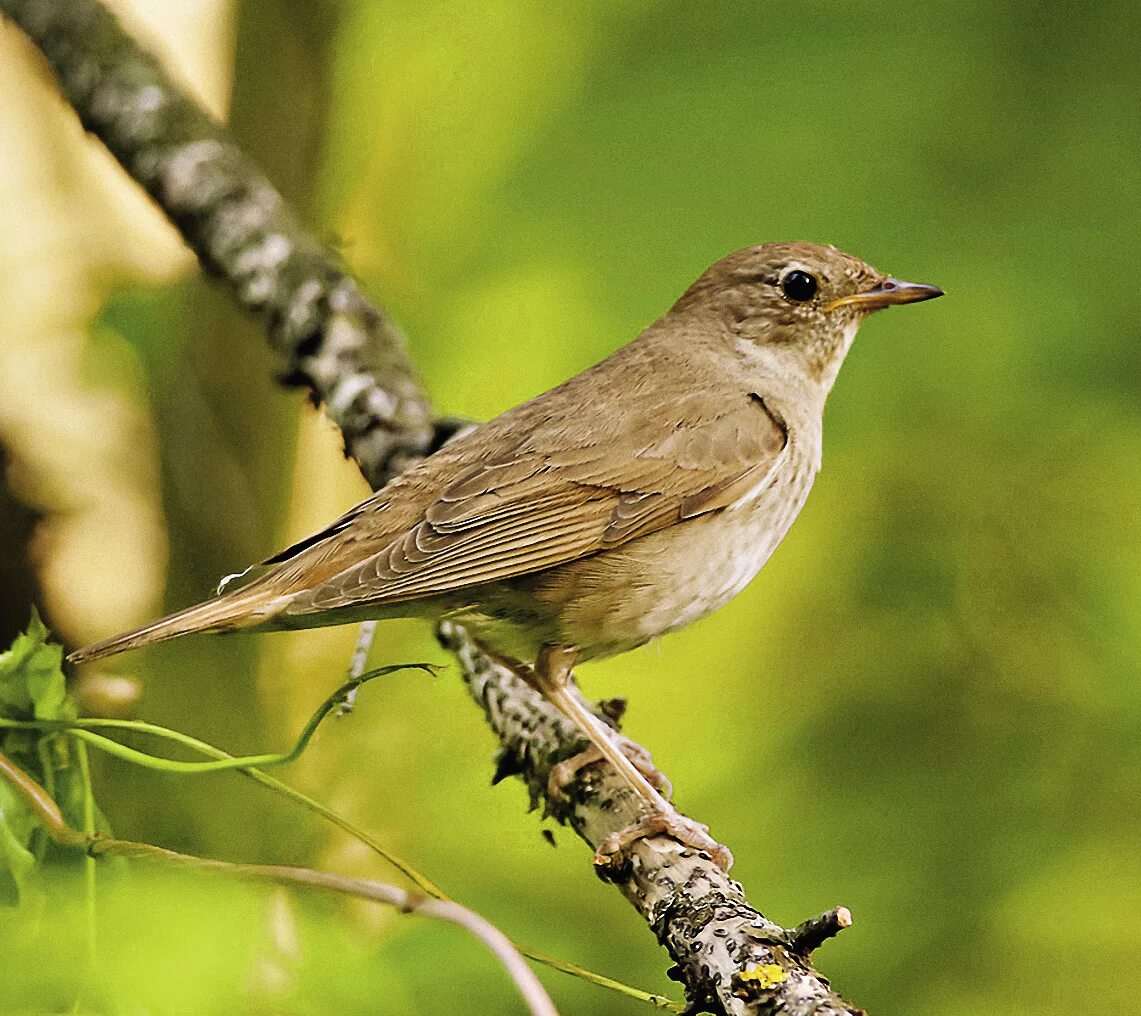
(610, 854)
(566, 772)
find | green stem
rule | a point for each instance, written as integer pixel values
(88, 863)
(658, 1001)
(82, 729)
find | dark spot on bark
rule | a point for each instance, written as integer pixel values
(613, 709)
(295, 378)
(310, 345)
(507, 763)
(616, 872)
(369, 316)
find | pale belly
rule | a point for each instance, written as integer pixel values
(623, 598)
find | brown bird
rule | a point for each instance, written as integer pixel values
(630, 501)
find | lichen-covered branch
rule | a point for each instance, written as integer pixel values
(330, 336)
(731, 959)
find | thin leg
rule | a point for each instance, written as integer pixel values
(567, 771)
(551, 673)
(356, 666)
(550, 677)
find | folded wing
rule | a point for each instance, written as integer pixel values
(548, 501)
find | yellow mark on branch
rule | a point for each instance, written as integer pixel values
(767, 976)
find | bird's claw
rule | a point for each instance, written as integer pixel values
(566, 772)
(611, 851)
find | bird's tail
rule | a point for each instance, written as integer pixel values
(235, 610)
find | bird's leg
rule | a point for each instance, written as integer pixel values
(550, 677)
(356, 666)
(567, 770)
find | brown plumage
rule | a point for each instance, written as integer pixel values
(627, 502)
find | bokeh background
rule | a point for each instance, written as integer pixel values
(927, 708)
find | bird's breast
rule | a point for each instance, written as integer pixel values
(628, 596)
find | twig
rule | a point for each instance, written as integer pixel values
(94, 845)
(86, 730)
(83, 730)
(351, 356)
(806, 938)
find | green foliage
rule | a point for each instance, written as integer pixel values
(32, 687)
(17, 827)
(60, 958)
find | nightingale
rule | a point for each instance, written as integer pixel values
(627, 502)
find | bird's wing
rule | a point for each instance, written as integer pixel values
(548, 502)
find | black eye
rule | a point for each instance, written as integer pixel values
(798, 285)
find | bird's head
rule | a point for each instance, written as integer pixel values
(799, 304)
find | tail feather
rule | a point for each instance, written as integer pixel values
(223, 613)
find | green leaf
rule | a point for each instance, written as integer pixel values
(33, 687)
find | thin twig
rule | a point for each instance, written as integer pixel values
(813, 933)
(86, 730)
(51, 818)
(82, 729)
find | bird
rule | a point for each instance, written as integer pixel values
(626, 503)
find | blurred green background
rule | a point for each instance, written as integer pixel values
(927, 708)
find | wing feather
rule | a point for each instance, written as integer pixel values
(540, 504)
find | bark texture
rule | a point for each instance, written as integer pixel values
(353, 359)
(331, 337)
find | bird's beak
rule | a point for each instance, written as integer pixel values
(885, 293)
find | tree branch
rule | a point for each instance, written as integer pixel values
(352, 357)
(41, 804)
(331, 338)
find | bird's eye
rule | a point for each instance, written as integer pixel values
(798, 285)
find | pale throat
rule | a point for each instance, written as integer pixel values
(832, 356)
(819, 362)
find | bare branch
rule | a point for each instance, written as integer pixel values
(407, 902)
(351, 355)
(812, 934)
